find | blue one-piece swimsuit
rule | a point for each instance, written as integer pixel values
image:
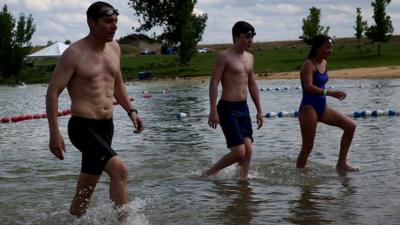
(318, 102)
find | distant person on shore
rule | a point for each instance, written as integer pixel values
(313, 107)
(90, 69)
(234, 69)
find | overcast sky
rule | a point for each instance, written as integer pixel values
(60, 20)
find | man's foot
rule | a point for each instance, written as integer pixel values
(122, 215)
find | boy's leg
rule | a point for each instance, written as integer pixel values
(85, 187)
(244, 164)
(237, 153)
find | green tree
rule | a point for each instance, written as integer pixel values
(360, 26)
(311, 27)
(180, 25)
(14, 42)
(382, 30)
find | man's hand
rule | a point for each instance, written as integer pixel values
(137, 122)
(57, 146)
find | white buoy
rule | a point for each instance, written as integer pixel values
(283, 114)
(294, 113)
(368, 113)
(180, 115)
(270, 115)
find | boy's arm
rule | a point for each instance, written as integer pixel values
(255, 96)
(216, 76)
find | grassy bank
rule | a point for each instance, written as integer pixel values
(269, 57)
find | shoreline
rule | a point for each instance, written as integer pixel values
(385, 72)
(354, 73)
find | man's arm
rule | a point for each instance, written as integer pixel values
(122, 97)
(255, 95)
(62, 74)
(216, 76)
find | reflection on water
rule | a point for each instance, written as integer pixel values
(166, 160)
(241, 207)
(307, 209)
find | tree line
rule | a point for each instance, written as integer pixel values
(379, 33)
(180, 27)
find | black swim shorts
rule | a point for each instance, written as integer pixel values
(235, 121)
(93, 138)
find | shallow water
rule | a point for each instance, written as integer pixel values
(166, 160)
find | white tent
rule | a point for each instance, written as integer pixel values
(52, 51)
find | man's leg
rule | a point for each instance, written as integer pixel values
(118, 172)
(85, 187)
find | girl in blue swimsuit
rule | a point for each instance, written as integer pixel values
(313, 107)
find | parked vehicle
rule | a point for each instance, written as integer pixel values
(204, 50)
(168, 50)
(147, 51)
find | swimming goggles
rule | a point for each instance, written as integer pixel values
(249, 34)
(109, 12)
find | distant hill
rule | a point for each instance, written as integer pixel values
(295, 43)
(134, 39)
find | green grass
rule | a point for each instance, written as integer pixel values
(269, 57)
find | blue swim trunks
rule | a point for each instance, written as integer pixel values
(235, 121)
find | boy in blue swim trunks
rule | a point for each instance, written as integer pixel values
(234, 69)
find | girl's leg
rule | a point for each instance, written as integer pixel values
(335, 118)
(308, 120)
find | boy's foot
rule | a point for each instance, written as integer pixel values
(205, 173)
(347, 168)
(241, 175)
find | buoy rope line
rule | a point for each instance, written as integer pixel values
(24, 117)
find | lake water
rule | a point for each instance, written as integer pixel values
(166, 160)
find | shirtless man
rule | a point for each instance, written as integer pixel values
(89, 69)
(234, 69)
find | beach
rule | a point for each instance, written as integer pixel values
(354, 73)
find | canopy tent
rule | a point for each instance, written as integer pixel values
(52, 51)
